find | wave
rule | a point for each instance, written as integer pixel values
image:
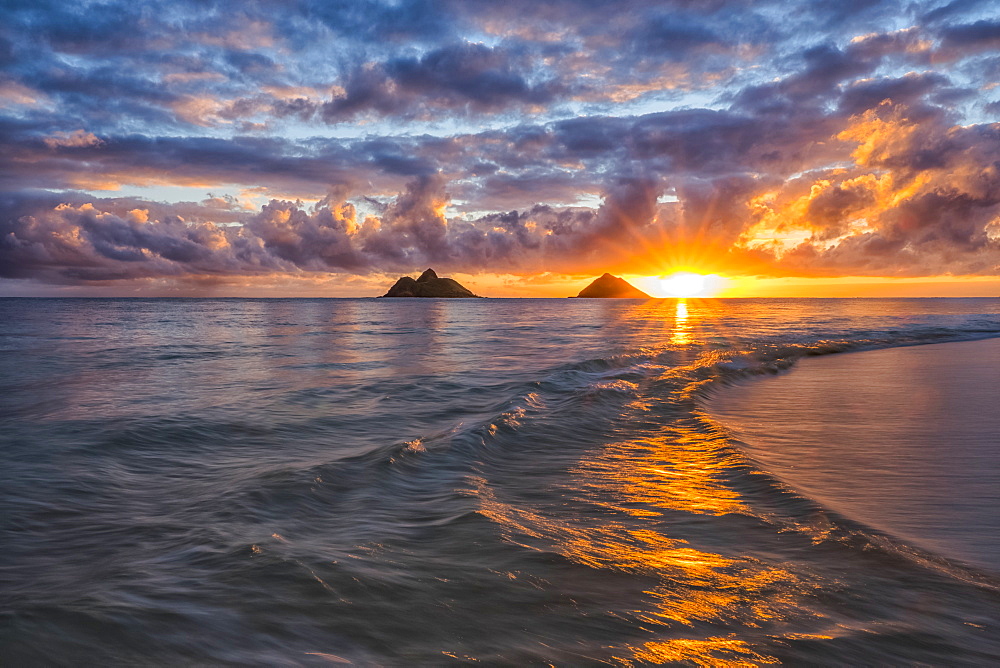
(672, 463)
(385, 506)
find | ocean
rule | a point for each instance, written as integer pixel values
(394, 482)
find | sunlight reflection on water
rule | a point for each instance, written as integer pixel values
(681, 335)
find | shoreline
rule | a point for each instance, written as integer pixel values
(902, 439)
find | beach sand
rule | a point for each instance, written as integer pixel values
(905, 440)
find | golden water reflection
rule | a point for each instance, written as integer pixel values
(681, 334)
(678, 474)
(672, 476)
(715, 652)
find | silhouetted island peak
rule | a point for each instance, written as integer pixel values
(608, 286)
(429, 284)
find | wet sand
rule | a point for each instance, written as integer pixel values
(905, 440)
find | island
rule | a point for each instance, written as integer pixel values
(608, 286)
(429, 285)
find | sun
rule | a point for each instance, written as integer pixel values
(684, 284)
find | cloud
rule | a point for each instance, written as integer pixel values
(919, 199)
(77, 139)
(454, 77)
(504, 137)
(977, 36)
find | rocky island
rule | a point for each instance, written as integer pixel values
(608, 286)
(429, 285)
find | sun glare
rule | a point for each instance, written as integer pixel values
(684, 284)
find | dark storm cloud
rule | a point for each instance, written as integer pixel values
(674, 36)
(383, 19)
(910, 89)
(30, 160)
(978, 35)
(815, 82)
(454, 76)
(835, 14)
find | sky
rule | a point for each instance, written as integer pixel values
(325, 147)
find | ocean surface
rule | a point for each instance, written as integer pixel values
(507, 482)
